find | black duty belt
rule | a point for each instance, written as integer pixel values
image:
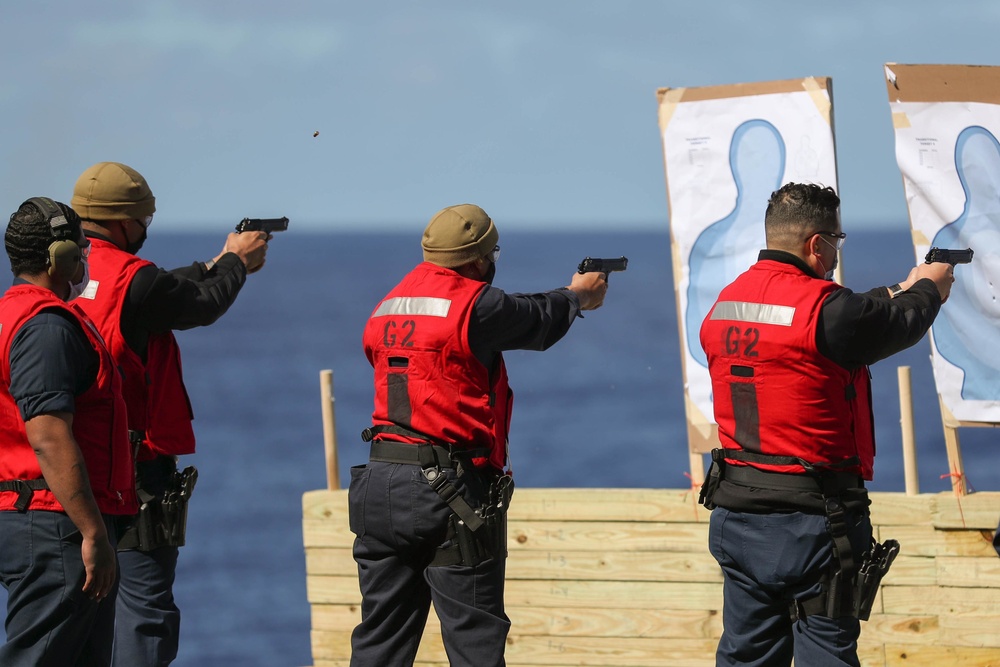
(401, 452)
(389, 451)
(750, 476)
(25, 490)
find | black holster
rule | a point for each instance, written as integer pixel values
(852, 595)
(469, 546)
(474, 534)
(162, 518)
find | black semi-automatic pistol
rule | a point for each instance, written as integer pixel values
(592, 264)
(268, 225)
(952, 257)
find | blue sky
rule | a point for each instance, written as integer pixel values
(542, 112)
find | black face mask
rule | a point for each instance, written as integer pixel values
(136, 245)
(490, 273)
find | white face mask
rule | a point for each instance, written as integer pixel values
(76, 289)
(829, 274)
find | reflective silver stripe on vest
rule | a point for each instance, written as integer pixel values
(761, 313)
(414, 305)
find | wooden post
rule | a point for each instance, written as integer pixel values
(955, 466)
(697, 463)
(906, 426)
(329, 430)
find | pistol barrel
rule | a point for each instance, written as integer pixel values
(593, 264)
(268, 225)
(947, 256)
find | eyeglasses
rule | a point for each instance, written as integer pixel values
(85, 251)
(840, 236)
(494, 254)
(145, 222)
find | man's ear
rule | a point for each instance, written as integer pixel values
(813, 245)
(481, 264)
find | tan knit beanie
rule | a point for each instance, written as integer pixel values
(112, 191)
(458, 235)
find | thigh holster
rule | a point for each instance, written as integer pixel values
(162, 518)
(474, 534)
(465, 545)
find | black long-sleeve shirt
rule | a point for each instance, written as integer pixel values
(504, 321)
(857, 329)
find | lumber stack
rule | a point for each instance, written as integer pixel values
(623, 578)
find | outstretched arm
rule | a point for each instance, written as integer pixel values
(537, 321)
(857, 330)
(939, 273)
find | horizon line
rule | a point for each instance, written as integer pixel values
(394, 226)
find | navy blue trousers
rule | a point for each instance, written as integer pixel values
(399, 522)
(768, 560)
(147, 629)
(50, 621)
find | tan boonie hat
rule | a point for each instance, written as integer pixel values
(458, 235)
(112, 191)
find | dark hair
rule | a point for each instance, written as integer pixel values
(29, 235)
(798, 209)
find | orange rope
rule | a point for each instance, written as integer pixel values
(961, 479)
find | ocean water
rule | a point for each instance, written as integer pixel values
(602, 408)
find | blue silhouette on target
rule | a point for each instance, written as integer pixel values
(728, 247)
(967, 331)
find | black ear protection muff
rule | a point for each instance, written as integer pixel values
(64, 253)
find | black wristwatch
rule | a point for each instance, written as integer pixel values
(895, 290)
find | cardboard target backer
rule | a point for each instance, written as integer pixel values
(946, 120)
(726, 149)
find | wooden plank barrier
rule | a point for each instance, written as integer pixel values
(623, 578)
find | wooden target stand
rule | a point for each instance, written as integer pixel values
(955, 466)
(953, 447)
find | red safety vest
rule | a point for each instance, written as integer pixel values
(99, 421)
(426, 377)
(773, 392)
(157, 400)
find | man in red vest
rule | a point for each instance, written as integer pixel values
(429, 510)
(788, 352)
(66, 469)
(136, 306)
